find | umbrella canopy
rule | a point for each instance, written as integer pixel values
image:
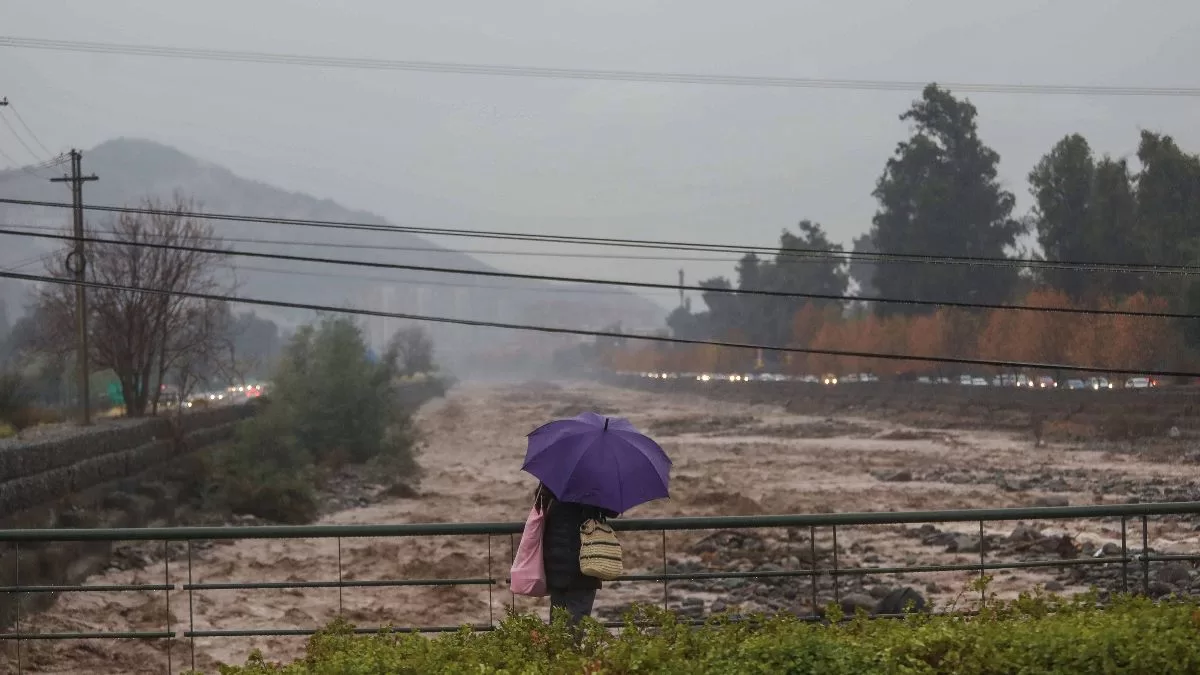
(599, 461)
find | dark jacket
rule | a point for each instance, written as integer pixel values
(560, 544)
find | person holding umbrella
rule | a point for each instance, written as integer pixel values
(591, 468)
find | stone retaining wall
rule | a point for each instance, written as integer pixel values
(129, 475)
(35, 473)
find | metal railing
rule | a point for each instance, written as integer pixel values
(1134, 557)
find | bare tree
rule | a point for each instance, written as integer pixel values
(149, 338)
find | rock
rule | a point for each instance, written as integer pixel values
(871, 558)
(1054, 587)
(879, 592)
(900, 601)
(692, 602)
(902, 476)
(1109, 550)
(718, 607)
(1052, 501)
(1175, 574)
(1024, 533)
(855, 601)
(1159, 589)
(790, 563)
(932, 587)
(401, 491)
(964, 543)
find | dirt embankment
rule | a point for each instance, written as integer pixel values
(730, 458)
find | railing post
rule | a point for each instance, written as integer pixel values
(666, 595)
(341, 610)
(1124, 555)
(191, 607)
(491, 582)
(1145, 553)
(837, 591)
(812, 567)
(167, 592)
(17, 601)
(982, 566)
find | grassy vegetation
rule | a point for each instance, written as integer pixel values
(17, 408)
(1036, 633)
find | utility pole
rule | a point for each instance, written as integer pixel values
(681, 287)
(76, 264)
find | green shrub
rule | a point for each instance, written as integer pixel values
(1034, 634)
(330, 405)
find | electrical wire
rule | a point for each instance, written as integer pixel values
(582, 74)
(604, 282)
(37, 158)
(437, 249)
(32, 135)
(784, 252)
(475, 323)
(445, 284)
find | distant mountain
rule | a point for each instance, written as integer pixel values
(133, 169)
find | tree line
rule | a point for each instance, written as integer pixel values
(939, 195)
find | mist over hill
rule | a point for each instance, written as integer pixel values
(133, 169)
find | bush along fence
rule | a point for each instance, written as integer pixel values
(800, 564)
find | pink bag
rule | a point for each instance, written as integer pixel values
(528, 574)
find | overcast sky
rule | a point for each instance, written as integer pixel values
(671, 161)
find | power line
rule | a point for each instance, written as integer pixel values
(32, 135)
(583, 74)
(605, 282)
(443, 284)
(992, 363)
(438, 249)
(785, 252)
(3, 118)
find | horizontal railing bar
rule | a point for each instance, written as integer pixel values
(967, 567)
(1169, 557)
(300, 632)
(96, 588)
(642, 524)
(373, 583)
(90, 635)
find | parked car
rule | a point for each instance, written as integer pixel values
(924, 379)
(978, 382)
(1140, 383)
(1076, 384)
(852, 377)
(829, 379)
(1046, 382)
(965, 380)
(1099, 383)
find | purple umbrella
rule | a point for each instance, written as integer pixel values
(599, 461)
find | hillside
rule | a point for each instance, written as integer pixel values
(132, 169)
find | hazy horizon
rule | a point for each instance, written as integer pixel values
(671, 161)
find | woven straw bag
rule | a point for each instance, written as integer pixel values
(599, 551)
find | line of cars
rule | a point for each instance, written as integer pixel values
(1015, 380)
(228, 396)
(1022, 381)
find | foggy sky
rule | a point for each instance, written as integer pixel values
(671, 161)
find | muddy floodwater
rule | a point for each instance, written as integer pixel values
(730, 459)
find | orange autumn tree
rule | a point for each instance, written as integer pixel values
(925, 335)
